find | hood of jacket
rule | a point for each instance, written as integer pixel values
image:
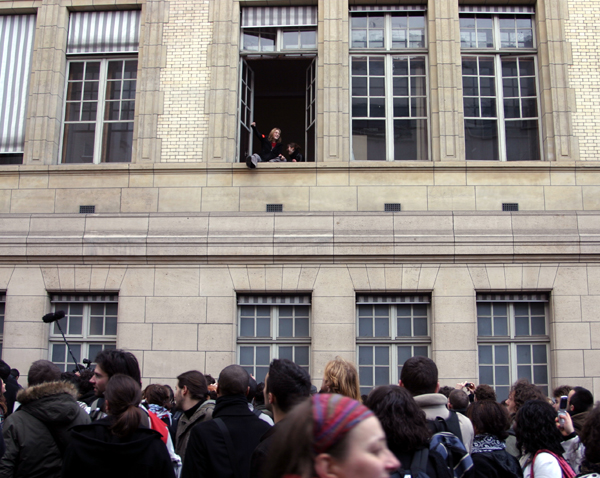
(97, 439)
(50, 402)
(503, 461)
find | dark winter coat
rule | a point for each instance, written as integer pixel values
(12, 388)
(259, 456)
(297, 155)
(496, 464)
(185, 425)
(267, 152)
(207, 455)
(94, 452)
(37, 434)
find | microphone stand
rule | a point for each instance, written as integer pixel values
(68, 346)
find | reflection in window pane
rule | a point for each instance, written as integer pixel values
(522, 140)
(368, 140)
(117, 142)
(481, 139)
(410, 140)
(78, 143)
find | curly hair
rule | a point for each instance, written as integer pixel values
(340, 376)
(524, 391)
(484, 392)
(489, 417)
(404, 423)
(536, 429)
(590, 435)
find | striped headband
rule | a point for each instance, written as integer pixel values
(333, 417)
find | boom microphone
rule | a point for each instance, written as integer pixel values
(53, 316)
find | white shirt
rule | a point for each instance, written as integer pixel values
(545, 466)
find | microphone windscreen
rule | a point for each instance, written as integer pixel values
(49, 318)
(59, 314)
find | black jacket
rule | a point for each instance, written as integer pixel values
(95, 452)
(12, 388)
(207, 455)
(297, 155)
(267, 152)
(37, 434)
(436, 466)
(259, 456)
(496, 464)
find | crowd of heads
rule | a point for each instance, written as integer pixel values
(321, 431)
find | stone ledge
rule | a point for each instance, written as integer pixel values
(228, 238)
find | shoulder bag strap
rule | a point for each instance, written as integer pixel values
(229, 444)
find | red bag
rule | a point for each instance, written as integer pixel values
(158, 425)
(565, 468)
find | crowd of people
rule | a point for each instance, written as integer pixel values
(100, 423)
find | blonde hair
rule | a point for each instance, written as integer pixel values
(272, 133)
(342, 378)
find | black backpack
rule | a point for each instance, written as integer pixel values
(447, 441)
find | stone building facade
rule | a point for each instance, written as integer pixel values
(449, 205)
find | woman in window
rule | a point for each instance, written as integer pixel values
(118, 445)
(490, 458)
(271, 147)
(405, 427)
(330, 436)
(540, 441)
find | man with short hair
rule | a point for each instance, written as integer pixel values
(286, 385)
(222, 447)
(581, 402)
(560, 391)
(458, 400)
(37, 434)
(420, 377)
(191, 396)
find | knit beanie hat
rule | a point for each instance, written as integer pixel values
(333, 417)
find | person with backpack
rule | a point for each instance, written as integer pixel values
(540, 442)
(37, 433)
(420, 377)
(490, 458)
(119, 445)
(408, 436)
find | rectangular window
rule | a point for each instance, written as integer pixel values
(513, 341)
(16, 37)
(500, 92)
(389, 83)
(273, 327)
(390, 330)
(89, 325)
(279, 29)
(2, 315)
(100, 90)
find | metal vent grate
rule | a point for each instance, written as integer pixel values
(87, 209)
(274, 207)
(510, 206)
(392, 206)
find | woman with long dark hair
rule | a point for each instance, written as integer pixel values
(405, 427)
(118, 445)
(490, 458)
(540, 440)
(330, 436)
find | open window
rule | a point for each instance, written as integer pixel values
(278, 76)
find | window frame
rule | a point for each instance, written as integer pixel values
(274, 341)
(2, 319)
(100, 122)
(278, 48)
(513, 341)
(85, 339)
(393, 341)
(499, 54)
(389, 54)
